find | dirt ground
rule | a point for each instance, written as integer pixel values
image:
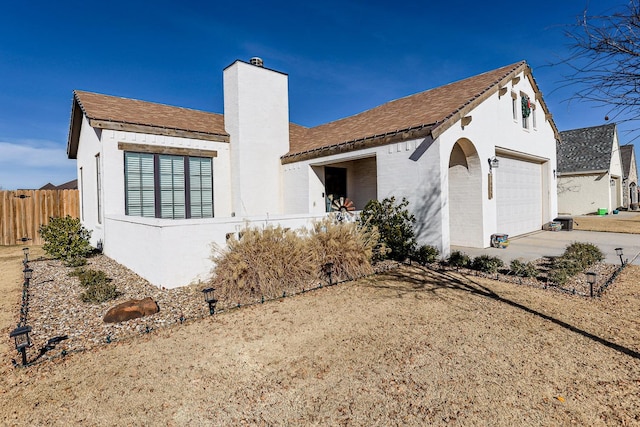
(11, 278)
(410, 347)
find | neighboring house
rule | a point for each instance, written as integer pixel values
(589, 170)
(630, 177)
(159, 184)
(71, 185)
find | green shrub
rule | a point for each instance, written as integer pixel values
(523, 269)
(89, 277)
(67, 240)
(575, 259)
(100, 293)
(426, 254)
(395, 225)
(585, 254)
(487, 264)
(459, 259)
(97, 286)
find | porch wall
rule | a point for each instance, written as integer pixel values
(177, 253)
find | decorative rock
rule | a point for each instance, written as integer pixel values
(131, 310)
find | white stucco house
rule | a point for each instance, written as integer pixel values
(159, 184)
(590, 176)
(629, 177)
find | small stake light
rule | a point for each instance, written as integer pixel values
(210, 299)
(327, 269)
(22, 340)
(26, 255)
(619, 253)
(28, 273)
(591, 280)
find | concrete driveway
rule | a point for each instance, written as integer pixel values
(553, 243)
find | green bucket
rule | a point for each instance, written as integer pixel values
(602, 211)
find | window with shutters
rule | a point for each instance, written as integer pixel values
(168, 186)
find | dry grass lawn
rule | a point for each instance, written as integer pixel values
(626, 222)
(11, 278)
(411, 347)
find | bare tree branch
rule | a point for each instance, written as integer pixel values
(605, 60)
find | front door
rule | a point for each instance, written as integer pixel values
(335, 184)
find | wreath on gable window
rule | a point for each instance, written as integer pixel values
(526, 106)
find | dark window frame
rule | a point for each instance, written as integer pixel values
(157, 187)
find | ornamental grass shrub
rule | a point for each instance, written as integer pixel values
(265, 262)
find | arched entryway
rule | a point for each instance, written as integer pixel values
(465, 195)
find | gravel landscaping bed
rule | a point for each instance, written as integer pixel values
(55, 308)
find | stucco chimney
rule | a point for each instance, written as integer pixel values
(256, 116)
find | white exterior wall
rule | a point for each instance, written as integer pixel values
(173, 253)
(583, 194)
(256, 116)
(88, 147)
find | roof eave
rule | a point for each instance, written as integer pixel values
(359, 144)
(585, 172)
(156, 130)
(75, 123)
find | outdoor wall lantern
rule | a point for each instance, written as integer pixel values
(26, 255)
(591, 280)
(327, 269)
(22, 340)
(209, 299)
(493, 163)
(28, 273)
(619, 253)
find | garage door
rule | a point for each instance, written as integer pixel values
(518, 196)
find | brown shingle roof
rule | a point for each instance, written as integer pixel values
(113, 109)
(112, 112)
(429, 111)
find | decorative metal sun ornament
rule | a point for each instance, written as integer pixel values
(343, 207)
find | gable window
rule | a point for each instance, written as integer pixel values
(514, 106)
(168, 186)
(533, 116)
(526, 110)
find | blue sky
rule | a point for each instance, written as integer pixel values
(342, 57)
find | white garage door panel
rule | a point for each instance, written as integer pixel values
(518, 196)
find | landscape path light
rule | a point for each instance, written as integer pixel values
(619, 253)
(591, 280)
(210, 299)
(28, 273)
(26, 255)
(327, 269)
(22, 340)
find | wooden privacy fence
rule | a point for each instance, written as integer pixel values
(22, 212)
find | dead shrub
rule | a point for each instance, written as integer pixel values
(272, 260)
(347, 245)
